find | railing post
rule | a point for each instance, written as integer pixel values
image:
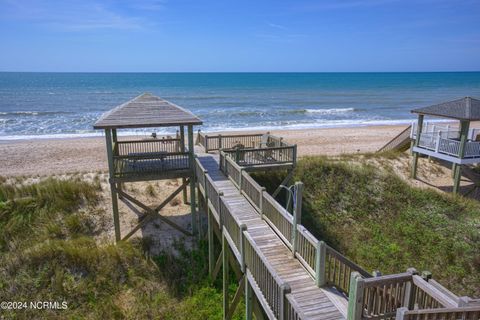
(294, 156)
(284, 289)
(262, 191)
(409, 291)
(297, 214)
(240, 178)
(401, 313)
(320, 262)
(206, 143)
(237, 155)
(437, 144)
(220, 142)
(355, 298)
(243, 227)
(220, 216)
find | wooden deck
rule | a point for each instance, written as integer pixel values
(311, 301)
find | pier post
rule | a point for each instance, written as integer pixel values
(113, 189)
(225, 274)
(191, 160)
(248, 299)
(182, 149)
(464, 127)
(417, 140)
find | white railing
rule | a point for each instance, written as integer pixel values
(440, 144)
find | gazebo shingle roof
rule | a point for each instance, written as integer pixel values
(462, 109)
(145, 111)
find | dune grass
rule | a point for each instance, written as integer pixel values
(48, 253)
(381, 222)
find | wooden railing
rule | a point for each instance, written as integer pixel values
(292, 309)
(200, 175)
(233, 231)
(252, 191)
(233, 171)
(263, 156)
(400, 140)
(462, 313)
(213, 197)
(150, 163)
(142, 147)
(308, 250)
(381, 297)
(278, 218)
(218, 142)
(338, 270)
(272, 288)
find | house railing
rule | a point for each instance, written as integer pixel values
(448, 146)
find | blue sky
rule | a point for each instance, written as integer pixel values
(297, 35)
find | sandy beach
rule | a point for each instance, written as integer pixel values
(70, 155)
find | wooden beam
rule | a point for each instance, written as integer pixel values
(417, 140)
(191, 158)
(211, 243)
(153, 212)
(464, 126)
(182, 149)
(248, 300)
(226, 270)
(236, 297)
(218, 265)
(113, 191)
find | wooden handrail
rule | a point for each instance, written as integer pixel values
(435, 293)
(464, 313)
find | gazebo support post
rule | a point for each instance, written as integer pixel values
(191, 159)
(464, 126)
(182, 149)
(417, 140)
(113, 189)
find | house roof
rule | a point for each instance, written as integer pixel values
(145, 111)
(462, 109)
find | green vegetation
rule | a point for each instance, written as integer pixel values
(48, 253)
(378, 220)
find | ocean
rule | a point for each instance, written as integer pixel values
(45, 105)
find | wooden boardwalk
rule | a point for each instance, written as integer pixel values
(312, 302)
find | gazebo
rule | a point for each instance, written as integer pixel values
(149, 159)
(460, 146)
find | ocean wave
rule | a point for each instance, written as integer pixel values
(34, 113)
(273, 111)
(330, 111)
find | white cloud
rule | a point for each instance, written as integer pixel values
(79, 15)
